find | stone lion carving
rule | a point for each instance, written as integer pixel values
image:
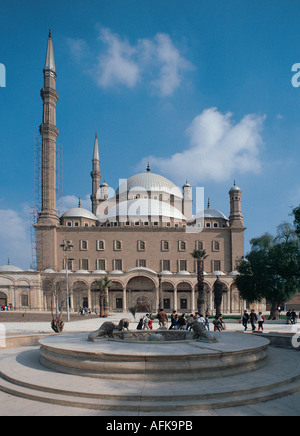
(108, 327)
(200, 332)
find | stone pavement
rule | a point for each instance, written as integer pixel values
(91, 324)
(14, 406)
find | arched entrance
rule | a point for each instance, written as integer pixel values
(141, 292)
(80, 295)
(184, 296)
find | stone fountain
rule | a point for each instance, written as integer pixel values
(153, 355)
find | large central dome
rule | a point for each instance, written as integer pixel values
(149, 182)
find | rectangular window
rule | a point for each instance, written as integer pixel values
(118, 264)
(101, 264)
(166, 265)
(216, 265)
(141, 263)
(85, 264)
(167, 303)
(119, 303)
(182, 265)
(24, 300)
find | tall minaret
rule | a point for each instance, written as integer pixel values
(49, 133)
(236, 217)
(96, 176)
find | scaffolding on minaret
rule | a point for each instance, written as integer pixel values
(38, 190)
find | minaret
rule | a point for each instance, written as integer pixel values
(96, 176)
(49, 133)
(236, 217)
(187, 202)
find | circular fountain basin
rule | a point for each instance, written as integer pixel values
(132, 356)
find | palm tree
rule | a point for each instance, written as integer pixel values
(200, 256)
(103, 285)
(218, 295)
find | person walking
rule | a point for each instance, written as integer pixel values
(288, 317)
(162, 318)
(260, 319)
(182, 322)
(253, 320)
(172, 319)
(245, 319)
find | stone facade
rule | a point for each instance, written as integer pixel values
(145, 229)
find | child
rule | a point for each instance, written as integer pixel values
(260, 319)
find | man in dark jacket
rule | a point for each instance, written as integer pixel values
(162, 318)
(245, 319)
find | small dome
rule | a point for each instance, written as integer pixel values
(210, 213)
(63, 271)
(10, 268)
(99, 271)
(116, 271)
(235, 188)
(79, 212)
(166, 273)
(142, 268)
(184, 273)
(82, 271)
(218, 273)
(49, 271)
(234, 273)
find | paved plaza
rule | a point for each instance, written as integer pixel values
(11, 405)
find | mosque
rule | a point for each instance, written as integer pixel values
(140, 238)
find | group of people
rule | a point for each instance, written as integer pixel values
(146, 322)
(291, 317)
(253, 318)
(182, 322)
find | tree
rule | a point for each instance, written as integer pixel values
(218, 295)
(103, 285)
(55, 290)
(296, 213)
(200, 256)
(271, 269)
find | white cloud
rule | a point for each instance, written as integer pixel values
(15, 237)
(117, 65)
(218, 149)
(153, 62)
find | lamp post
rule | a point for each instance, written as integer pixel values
(66, 246)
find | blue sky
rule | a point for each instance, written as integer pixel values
(201, 89)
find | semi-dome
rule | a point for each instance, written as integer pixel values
(142, 207)
(150, 182)
(10, 268)
(210, 213)
(79, 212)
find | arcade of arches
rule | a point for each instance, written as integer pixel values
(144, 292)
